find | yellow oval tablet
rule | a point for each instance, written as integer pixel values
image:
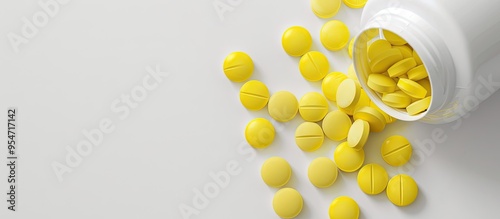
(417, 73)
(336, 125)
(393, 38)
(372, 179)
(351, 47)
(325, 8)
(296, 41)
(309, 136)
(314, 66)
(372, 116)
(401, 67)
(259, 133)
(425, 83)
(254, 95)
(396, 150)
(238, 66)
(322, 172)
(334, 35)
(376, 47)
(348, 159)
(276, 172)
(287, 203)
(313, 107)
(283, 106)
(417, 58)
(397, 99)
(384, 60)
(343, 207)
(358, 134)
(381, 83)
(406, 51)
(412, 88)
(402, 190)
(331, 83)
(348, 93)
(419, 106)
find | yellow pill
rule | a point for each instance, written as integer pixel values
(412, 88)
(388, 119)
(309, 136)
(322, 172)
(355, 3)
(259, 133)
(394, 39)
(406, 51)
(238, 66)
(349, 110)
(402, 190)
(351, 47)
(372, 179)
(314, 66)
(336, 125)
(325, 8)
(425, 83)
(276, 172)
(313, 107)
(363, 101)
(348, 93)
(381, 83)
(283, 106)
(348, 159)
(351, 73)
(334, 35)
(396, 150)
(374, 117)
(383, 61)
(358, 134)
(377, 47)
(254, 95)
(401, 67)
(331, 83)
(417, 73)
(397, 99)
(287, 203)
(417, 58)
(343, 207)
(419, 106)
(296, 41)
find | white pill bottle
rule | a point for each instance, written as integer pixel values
(458, 42)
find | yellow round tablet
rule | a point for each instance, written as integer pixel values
(351, 47)
(343, 207)
(393, 38)
(358, 134)
(412, 88)
(296, 41)
(309, 136)
(372, 179)
(254, 95)
(314, 66)
(336, 125)
(406, 51)
(322, 172)
(397, 99)
(402, 190)
(381, 83)
(376, 47)
(259, 133)
(384, 60)
(425, 83)
(276, 172)
(287, 203)
(325, 8)
(348, 159)
(396, 150)
(355, 3)
(313, 107)
(417, 58)
(417, 73)
(283, 106)
(419, 106)
(348, 93)
(331, 83)
(363, 101)
(401, 67)
(388, 119)
(334, 35)
(374, 117)
(238, 66)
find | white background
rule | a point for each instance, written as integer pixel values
(65, 79)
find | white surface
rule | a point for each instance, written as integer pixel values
(66, 78)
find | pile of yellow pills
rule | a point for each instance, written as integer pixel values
(238, 66)
(309, 136)
(283, 106)
(276, 172)
(376, 120)
(358, 134)
(322, 172)
(314, 66)
(254, 95)
(347, 158)
(330, 84)
(313, 107)
(325, 8)
(259, 133)
(372, 179)
(296, 41)
(396, 150)
(334, 35)
(343, 207)
(336, 125)
(402, 190)
(287, 203)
